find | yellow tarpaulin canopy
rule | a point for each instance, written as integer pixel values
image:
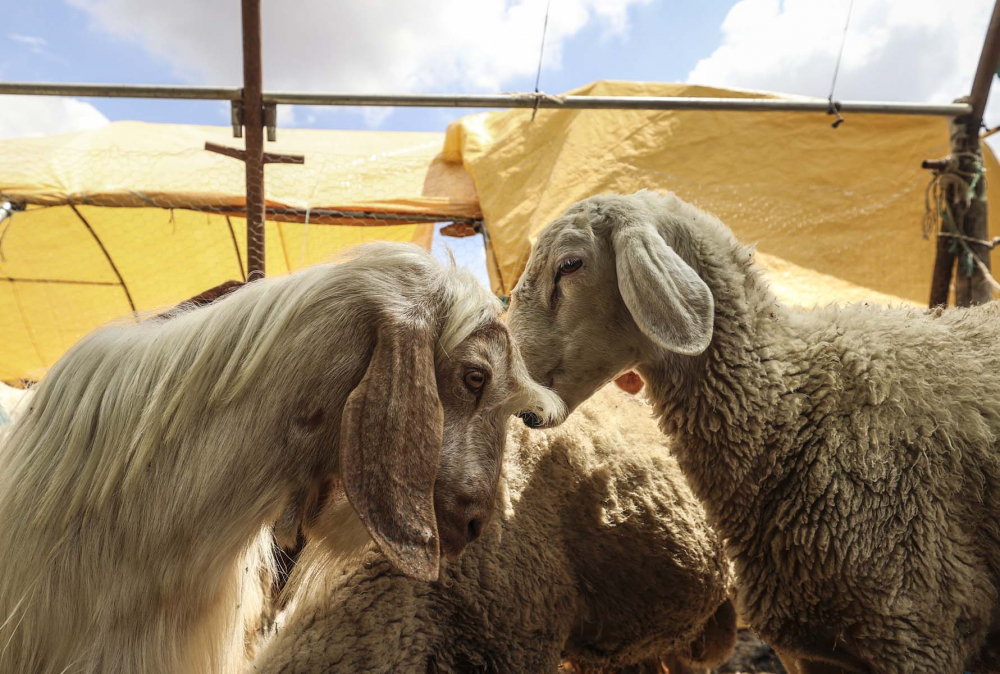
(135, 217)
(846, 202)
(108, 227)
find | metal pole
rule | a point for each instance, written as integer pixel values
(530, 100)
(496, 101)
(121, 91)
(988, 60)
(973, 286)
(253, 121)
(967, 215)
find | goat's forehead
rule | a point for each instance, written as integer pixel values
(492, 341)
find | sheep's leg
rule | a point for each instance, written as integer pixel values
(790, 664)
(794, 665)
(813, 667)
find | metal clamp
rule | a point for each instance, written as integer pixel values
(271, 121)
(236, 115)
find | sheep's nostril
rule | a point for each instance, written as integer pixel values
(474, 529)
(530, 419)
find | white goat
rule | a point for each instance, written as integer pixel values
(138, 491)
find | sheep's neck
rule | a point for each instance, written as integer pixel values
(723, 409)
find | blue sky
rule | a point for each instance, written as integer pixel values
(664, 42)
(916, 50)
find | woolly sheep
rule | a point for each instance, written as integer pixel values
(598, 550)
(848, 455)
(138, 490)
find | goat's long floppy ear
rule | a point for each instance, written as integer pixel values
(390, 447)
(666, 297)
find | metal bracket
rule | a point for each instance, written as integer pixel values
(271, 121)
(236, 115)
(269, 157)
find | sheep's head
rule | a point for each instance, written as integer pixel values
(604, 291)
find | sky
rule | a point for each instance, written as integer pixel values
(897, 50)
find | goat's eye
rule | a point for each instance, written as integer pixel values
(569, 265)
(475, 380)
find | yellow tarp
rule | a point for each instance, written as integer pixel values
(129, 241)
(845, 202)
(136, 164)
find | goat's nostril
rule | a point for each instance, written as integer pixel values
(474, 529)
(530, 419)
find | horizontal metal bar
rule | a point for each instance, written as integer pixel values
(525, 100)
(12, 279)
(317, 215)
(122, 91)
(611, 103)
(388, 218)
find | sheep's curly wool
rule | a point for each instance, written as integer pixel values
(849, 457)
(598, 551)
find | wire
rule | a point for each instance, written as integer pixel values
(834, 106)
(541, 53)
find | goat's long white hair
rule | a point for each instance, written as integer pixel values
(136, 491)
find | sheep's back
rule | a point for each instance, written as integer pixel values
(597, 548)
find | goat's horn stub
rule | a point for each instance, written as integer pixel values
(530, 419)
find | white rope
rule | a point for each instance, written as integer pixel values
(305, 238)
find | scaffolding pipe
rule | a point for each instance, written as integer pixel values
(253, 123)
(122, 91)
(517, 100)
(987, 68)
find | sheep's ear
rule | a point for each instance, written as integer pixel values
(390, 447)
(666, 297)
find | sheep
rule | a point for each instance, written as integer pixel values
(848, 455)
(140, 490)
(598, 550)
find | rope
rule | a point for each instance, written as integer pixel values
(6, 223)
(541, 53)
(982, 242)
(963, 184)
(7, 211)
(834, 105)
(305, 239)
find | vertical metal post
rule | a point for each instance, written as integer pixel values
(254, 123)
(974, 288)
(988, 60)
(967, 214)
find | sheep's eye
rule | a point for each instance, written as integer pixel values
(475, 380)
(569, 266)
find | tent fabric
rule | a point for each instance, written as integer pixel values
(108, 229)
(136, 164)
(59, 278)
(845, 202)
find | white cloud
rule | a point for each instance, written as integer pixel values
(28, 39)
(42, 115)
(365, 47)
(35, 44)
(896, 50)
